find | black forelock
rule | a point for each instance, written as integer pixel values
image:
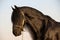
(15, 15)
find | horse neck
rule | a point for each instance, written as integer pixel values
(32, 12)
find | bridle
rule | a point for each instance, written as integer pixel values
(18, 26)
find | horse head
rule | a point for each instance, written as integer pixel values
(17, 20)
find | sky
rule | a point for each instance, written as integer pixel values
(47, 7)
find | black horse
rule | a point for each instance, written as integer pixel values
(41, 25)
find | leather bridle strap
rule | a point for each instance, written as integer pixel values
(18, 26)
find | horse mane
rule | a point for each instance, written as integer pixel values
(31, 9)
(50, 18)
(39, 12)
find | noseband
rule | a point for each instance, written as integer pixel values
(19, 27)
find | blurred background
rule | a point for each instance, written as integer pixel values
(47, 7)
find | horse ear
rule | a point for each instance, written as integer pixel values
(15, 6)
(12, 8)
